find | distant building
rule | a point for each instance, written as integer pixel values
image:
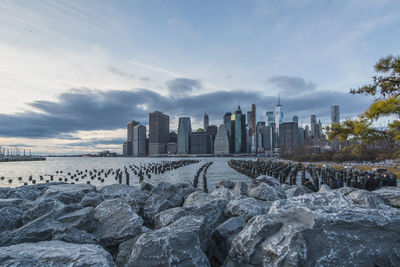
(184, 131)
(171, 148)
(206, 122)
(314, 126)
(200, 143)
(296, 119)
(228, 126)
(288, 136)
(270, 117)
(139, 141)
(278, 115)
(269, 138)
(221, 143)
(335, 115)
(238, 130)
(158, 133)
(127, 149)
(212, 129)
(173, 137)
(259, 136)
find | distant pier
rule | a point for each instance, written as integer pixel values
(16, 158)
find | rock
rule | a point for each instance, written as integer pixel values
(116, 222)
(54, 253)
(128, 192)
(155, 204)
(169, 192)
(146, 186)
(226, 193)
(91, 199)
(185, 189)
(351, 236)
(174, 245)
(324, 188)
(346, 190)
(297, 190)
(82, 219)
(212, 212)
(391, 194)
(226, 184)
(265, 188)
(197, 198)
(39, 208)
(24, 192)
(285, 187)
(246, 208)
(241, 188)
(367, 199)
(2, 195)
(68, 193)
(73, 235)
(125, 249)
(222, 237)
(10, 218)
(10, 202)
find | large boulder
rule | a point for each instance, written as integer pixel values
(391, 194)
(155, 204)
(226, 193)
(293, 231)
(10, 218)
(116, 222)
(73, 235)
(324, 188)
(82, 219)
(198, 197)
(54, 253)
(266, 188)
(169, 192)
(226, 184)
(246, 208)
(297, 190)
(134, 195)
(241, 188)
(367, 199)
(92, 199)
(10, 202)
(222, 237)
(24, 192)
(185, 189)
(68, 193)
(174, 245)
(39, 208)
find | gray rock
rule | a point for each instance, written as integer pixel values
(285, 187)
(2, 195)
(324, 188)
(346, 190)
(366, 199)
(246, 208)
(241, 188)
(327, 236)
(212, 212)
(116, 222)
(82, 219)
(68, 193)
(10, 218)
(297, 190)
(91, 199)
(125, 249)
(175, 245)
(146, 186)
(10, 202)
(169, 192)
(39, 208)
(222, 238)
(128, 192)
(54, 253)
(226, 184)
(185, 189)
(24, 192)
(155, 204)
(391, 194)
(266, 188)
(226, 193)
(73, 235)
(197, 198)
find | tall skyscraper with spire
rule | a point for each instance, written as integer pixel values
(238, 129)
(278, 114)
(206, 122)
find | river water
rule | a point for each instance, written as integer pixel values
(11, 171)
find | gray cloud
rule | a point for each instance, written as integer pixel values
(290, 84)
(182, 86)
(91, 143)
(121, 72)
(84, 109)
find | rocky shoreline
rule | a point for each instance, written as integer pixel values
(261, 224)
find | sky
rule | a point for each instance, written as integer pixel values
(73, 73)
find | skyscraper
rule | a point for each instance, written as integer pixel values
(278, 115)
(139, 141)
(228, 126)
(206, 122)
(314, 126)
(158, 133)
(201, 143)
(270, 118)
(238, 129)
(295, 119)
(128, 145)
(288, 136)
(184, 131)
(221, 143)
(335, 115)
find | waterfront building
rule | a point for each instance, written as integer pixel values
(158, 133)
(238, 130)
(300, 137)
(278, 115)
(288, 137)
(171, 148)
(139, 141)
(296, 119)
(184, 131)
(127, 149)
(206, 122)
(200, 143)
(228, 126)
(259, 136)
(319, 128)
(270, 117)
(269, 138)
(212, 129)
(314, 126)
(335, 115)
(173, 137)
(221, 143)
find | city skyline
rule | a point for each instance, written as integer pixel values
(72, 75)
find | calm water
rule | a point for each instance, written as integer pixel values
(218, 171)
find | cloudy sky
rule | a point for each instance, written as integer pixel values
(72, 73)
